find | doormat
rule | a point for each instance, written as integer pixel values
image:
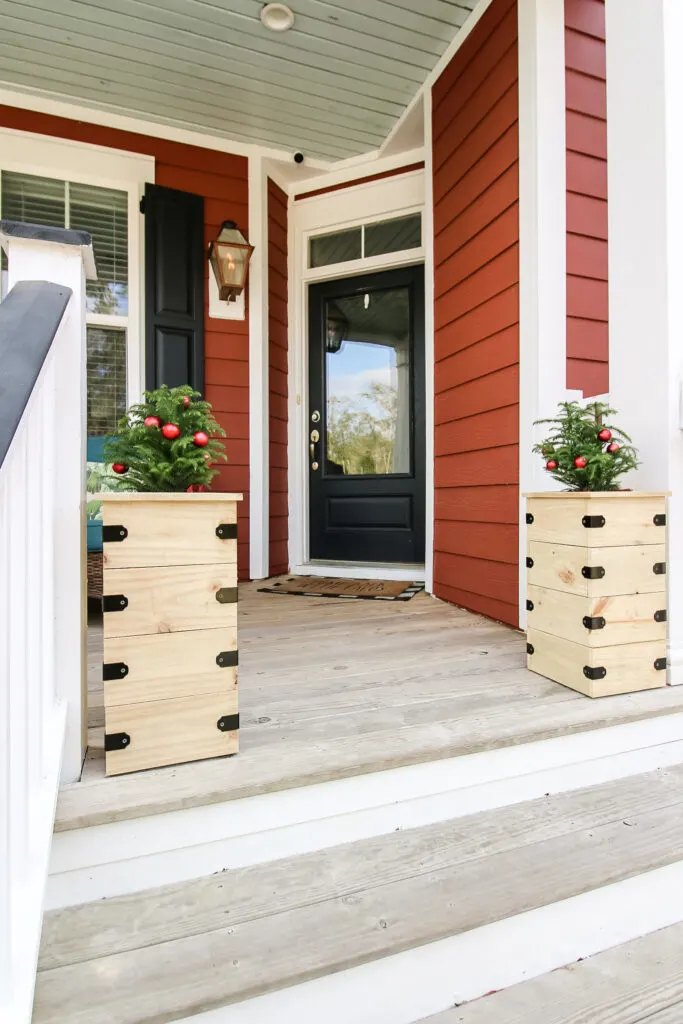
(328, 586)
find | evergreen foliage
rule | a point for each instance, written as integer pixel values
(574, 435)
(156, 463)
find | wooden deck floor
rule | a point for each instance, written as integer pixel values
(331, 688)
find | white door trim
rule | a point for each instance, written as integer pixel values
(259, 383)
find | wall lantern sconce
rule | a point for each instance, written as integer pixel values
(229, 256)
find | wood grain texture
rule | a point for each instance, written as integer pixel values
(171, 532)
(586, 124)
(278, 379)
(629, 667)
(171, 731)
(628, 618)
(331, 690)
(476, 237)
(169, 599)
(222, 179)
(294, 920)
(627, 570)
(165, 665)
(640, 982)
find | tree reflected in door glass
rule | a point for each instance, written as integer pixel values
(367, 379)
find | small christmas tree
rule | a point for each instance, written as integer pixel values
(166, 443)
(584, 450)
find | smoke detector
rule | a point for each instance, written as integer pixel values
(277, 17)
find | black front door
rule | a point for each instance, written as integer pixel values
(366, 418)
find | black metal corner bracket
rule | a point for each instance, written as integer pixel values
(594, 622)
(529, 563)
(659, 519)
(660, 615)
(226, 659)
(594, 672)
(659, 568)
(228, 723)
(593, 522)
(530, 606)
(111, 534)
(529, 518)
(660, 664)
(116, 740)
(593, 572)
(227, 531)
(529, 648)
(114, 670)
(227, 595)
(114, 603)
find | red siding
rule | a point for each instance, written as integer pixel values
(476, 229)
(277, 349)
(223, 181)
(587, 303)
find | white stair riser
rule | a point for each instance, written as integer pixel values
(130, 856)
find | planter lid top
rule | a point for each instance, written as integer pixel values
(599, 494)
(166, 496)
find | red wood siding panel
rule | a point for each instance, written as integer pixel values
(587, 309)
(476, 315)
(222, 180)
(277, 355)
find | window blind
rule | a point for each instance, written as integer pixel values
(104, 213)
(33, 200)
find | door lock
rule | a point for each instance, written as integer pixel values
(315, 417)
(315, 436)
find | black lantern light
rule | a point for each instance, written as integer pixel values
(229, 256)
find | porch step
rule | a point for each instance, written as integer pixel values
(230, 938)
(637, 982)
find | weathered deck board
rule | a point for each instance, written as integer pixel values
(285, 922)
(335, 688)
(640, 982)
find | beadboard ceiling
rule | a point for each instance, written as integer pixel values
(332, 87)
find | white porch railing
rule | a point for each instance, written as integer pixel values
(40, 615)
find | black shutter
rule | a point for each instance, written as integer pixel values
(174, 288)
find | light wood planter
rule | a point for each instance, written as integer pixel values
(596, 594)
(170, 628)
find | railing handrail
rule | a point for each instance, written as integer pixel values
(29, 319)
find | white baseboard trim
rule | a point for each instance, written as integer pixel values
(407, 987)
(130, 856)
(409, 573)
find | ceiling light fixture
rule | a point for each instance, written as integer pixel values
(277, 17)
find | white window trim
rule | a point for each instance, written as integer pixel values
(87, 164)
(372, 203)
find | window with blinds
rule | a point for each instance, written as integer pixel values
(103, 212)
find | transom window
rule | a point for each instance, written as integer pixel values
(377, 239)
(103, 212)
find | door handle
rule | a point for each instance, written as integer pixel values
(312, 450)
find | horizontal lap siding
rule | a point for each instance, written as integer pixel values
(222, 180)
(277, 355)
(587, 295)
(476, 319)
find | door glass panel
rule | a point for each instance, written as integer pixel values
(368, 384)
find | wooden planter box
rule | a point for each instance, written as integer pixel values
(170, 628)
(596, 590)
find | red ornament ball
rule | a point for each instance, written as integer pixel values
(186, 401)
(201, 439)
(119, 468)
(613, 447)
(170, 431)
(551, 464)
(152, 421)
(580, 462)
(605, 434)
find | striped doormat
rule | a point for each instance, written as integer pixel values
(328, 586)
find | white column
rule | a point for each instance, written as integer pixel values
(645, 171)
(259, 440)
(428, 241)
(38, 260)
(542, 241)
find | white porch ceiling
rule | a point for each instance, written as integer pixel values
(332, 87)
